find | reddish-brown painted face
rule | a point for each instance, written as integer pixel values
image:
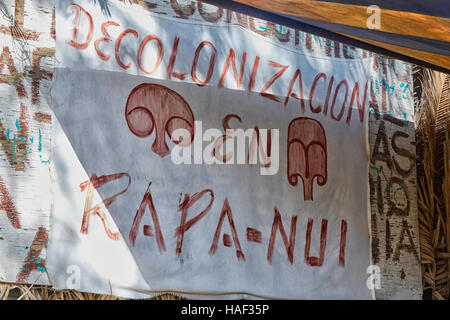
(307, 154)
(153, 107)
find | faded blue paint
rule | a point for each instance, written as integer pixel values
(41, 269)
(40, 141)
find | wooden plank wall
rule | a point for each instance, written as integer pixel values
(26, 64)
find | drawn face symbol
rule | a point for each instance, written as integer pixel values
(153, 107)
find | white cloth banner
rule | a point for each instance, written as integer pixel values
(139, 209)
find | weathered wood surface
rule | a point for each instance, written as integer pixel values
(392, 178)
(27, 50)
(393, 21)
(407, 23)
(24, 110)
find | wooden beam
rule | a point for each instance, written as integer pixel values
(405, 23)
(435, 59)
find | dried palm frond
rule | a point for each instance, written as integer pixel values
(432, 136)
(12, 291)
